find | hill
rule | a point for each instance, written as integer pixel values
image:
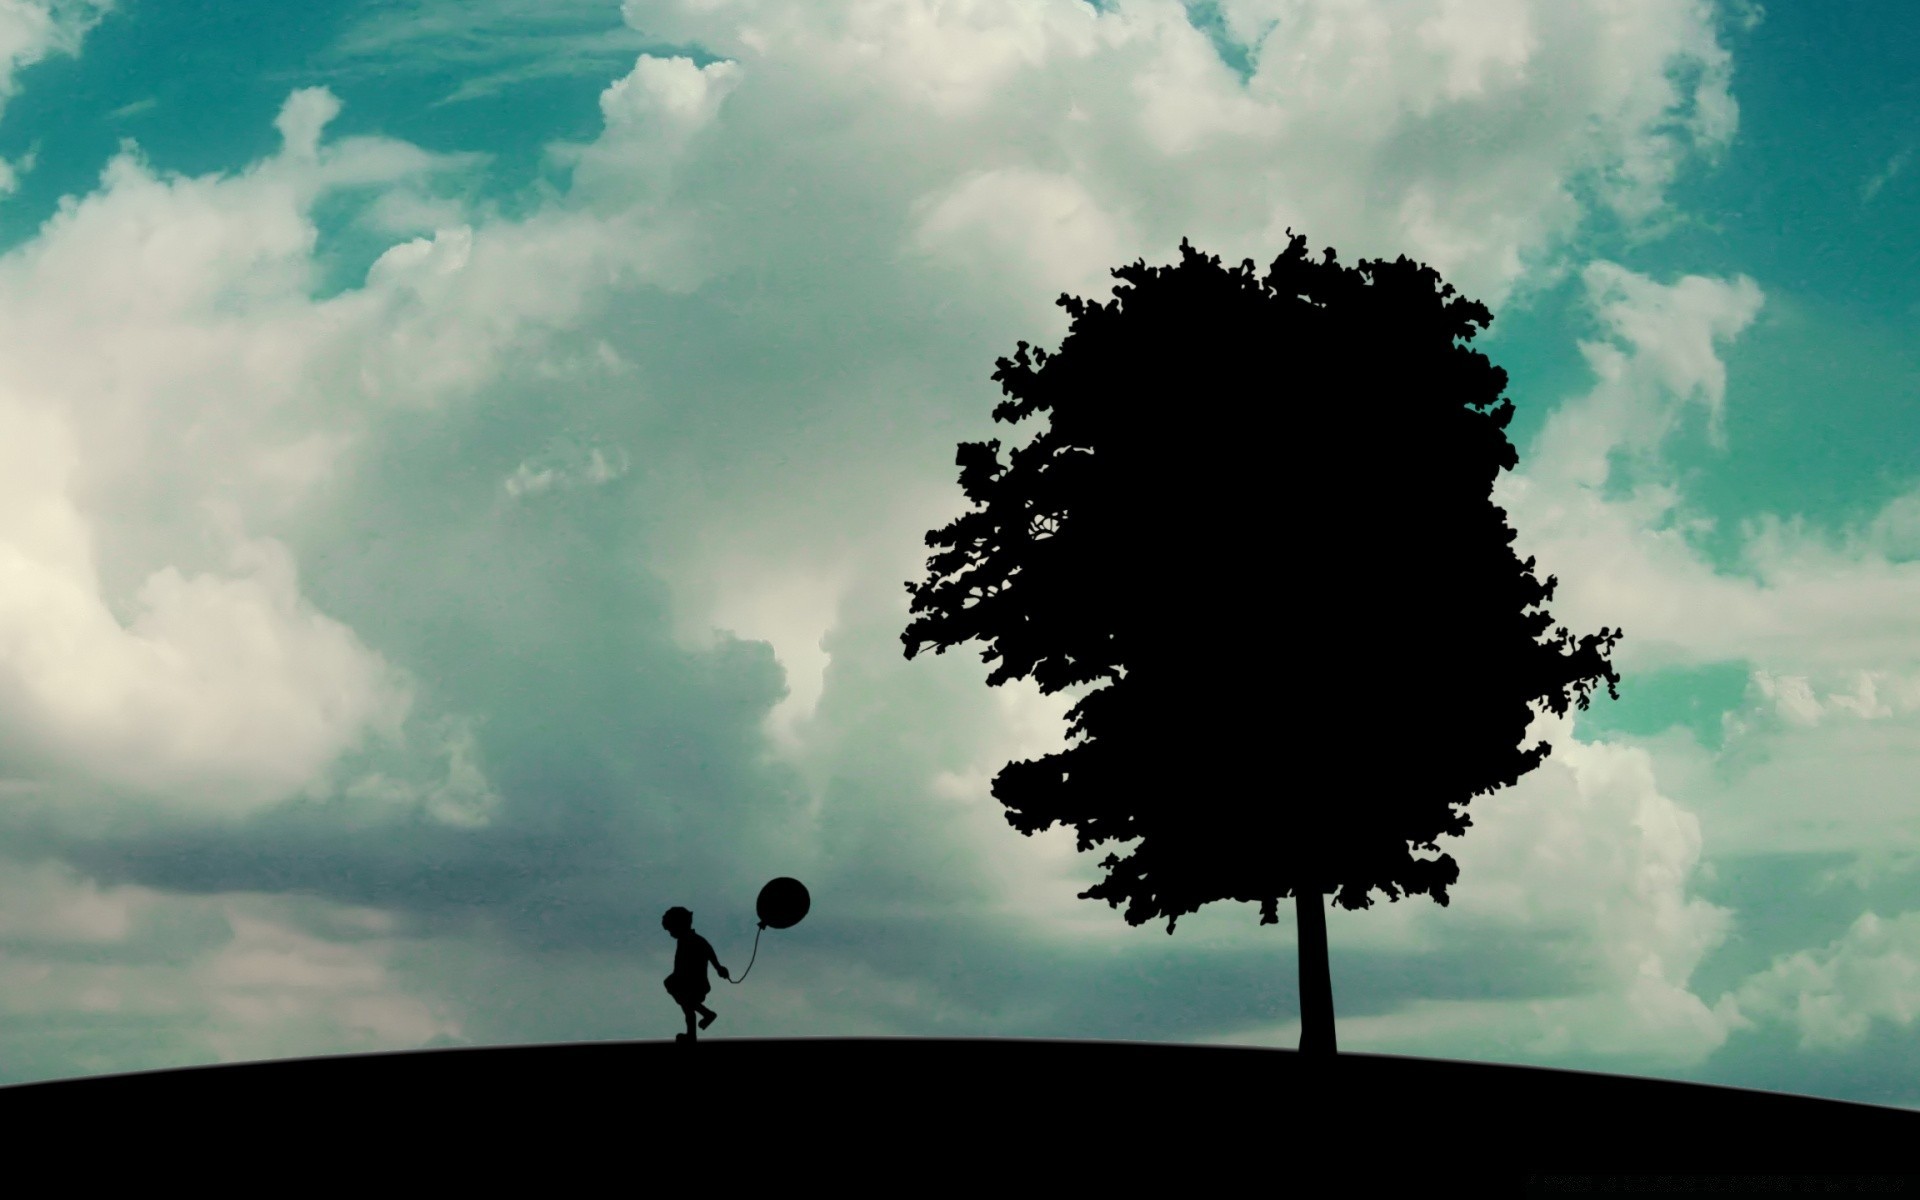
(921, 1114)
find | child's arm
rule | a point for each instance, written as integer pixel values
(715, 960)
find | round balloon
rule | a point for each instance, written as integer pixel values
(783, 902)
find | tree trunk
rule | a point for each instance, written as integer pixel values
(1316, 978)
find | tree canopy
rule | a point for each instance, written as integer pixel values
(1259, 517)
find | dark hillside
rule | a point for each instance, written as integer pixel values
(888, 1116)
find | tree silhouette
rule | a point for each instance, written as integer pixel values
(1261, 516)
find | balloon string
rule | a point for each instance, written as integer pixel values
(756, 954)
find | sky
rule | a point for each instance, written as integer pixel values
(460, 461)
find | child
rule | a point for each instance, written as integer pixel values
(688, 984)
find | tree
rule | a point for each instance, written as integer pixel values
(1261, 517)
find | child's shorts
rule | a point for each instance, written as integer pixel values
(687, 992)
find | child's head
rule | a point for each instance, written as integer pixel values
(677, 920)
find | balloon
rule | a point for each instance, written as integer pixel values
(783, 902)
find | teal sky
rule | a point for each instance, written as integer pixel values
(460, 459)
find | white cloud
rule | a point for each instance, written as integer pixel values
(1589, 862)
(1881, 178)
(134, 108)
(1629, 563)
(650, 117)
(220, 692)
(1468, 162)
(1792, 695)
(791, 607)
(1834, 995)
(1481, 44)
(567, 464)
(669, 91)
(31, 30)
(463, 798)
(1663, 352)
(177, 359)
(208, 979)
(305, 114)
(1819, 757)
(494, 44)
(1043, 230)
(47, 902)
(1036, 150)
(1585, 866)
(411, 263)
(947, 61)
(176, 385)
(1436, 130)
(279, 991)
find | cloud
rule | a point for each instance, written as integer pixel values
(493, 45)
(129, 978)
(1832, 996)
(551, 573)
(306, 112)
(1885, 175)
(1582, 875)
(650, 117)
(566, 465)
(1812, 761)
(1662, 352)
(46, 902)
(1747, 14)
(669, 90)
(208, 691)
(31, 30)
(133, 109)
(1432, 132)
(1028, 225)
(1628, 561)
(1053, 207)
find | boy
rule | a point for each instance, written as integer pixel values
(688, 984)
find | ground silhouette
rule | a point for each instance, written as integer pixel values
(909, 1113)
(1260, 519)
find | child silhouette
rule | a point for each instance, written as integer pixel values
(688, 984)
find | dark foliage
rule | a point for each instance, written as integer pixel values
(1260, 516)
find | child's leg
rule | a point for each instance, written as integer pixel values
(686, 1008)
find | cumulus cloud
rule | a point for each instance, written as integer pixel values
(1833, 995)
(1583, 875)
(280, 992)
(1026, 225)
(301, 119)
(1437, 131)
(568, 465)
(672, 92)
(31, 30)
(1818, 618)
(488, 511)
(1662, 352)
(175, 392)
(649, 118)
(48, 903)
(189, 386)
(125, 978)
(1465, 146)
